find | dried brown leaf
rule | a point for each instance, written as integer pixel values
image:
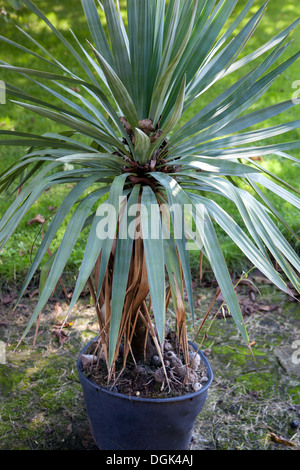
(6, 299)
(38, 219)
(61, 335)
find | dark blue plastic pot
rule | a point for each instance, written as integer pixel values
(120, 422)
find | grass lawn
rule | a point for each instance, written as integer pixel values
(16, 255)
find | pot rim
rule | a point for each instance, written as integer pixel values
(188, 396)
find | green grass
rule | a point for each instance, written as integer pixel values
(15, 256)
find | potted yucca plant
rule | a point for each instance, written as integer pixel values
(143, 192)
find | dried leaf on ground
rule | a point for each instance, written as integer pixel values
(281, 440)
(38, 219)
(61, 335)
(6, 299)
(33, 293)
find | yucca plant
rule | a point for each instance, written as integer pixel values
(131, 155)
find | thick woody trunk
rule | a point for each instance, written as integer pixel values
(142, 346)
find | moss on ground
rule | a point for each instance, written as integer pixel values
(41, 403)
(253, 401)
(250, 400)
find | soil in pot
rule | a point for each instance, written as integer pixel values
(147, 378)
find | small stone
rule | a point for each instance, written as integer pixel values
(204, 380)
(140, 370)
(159, 375)
(170, 355)
(195, 360)
(88, 359)
(181, 371)
(197, 386)
(168, 346)
(192, 377)
(155, 361)
(295, 425)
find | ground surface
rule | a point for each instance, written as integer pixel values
(251, 404)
